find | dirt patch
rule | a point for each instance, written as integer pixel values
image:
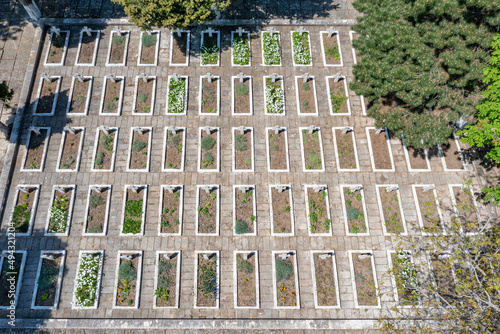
(307, 103)
(380, 148)
(417, 158)
(331, 47)
(87, 48)
(325, 281)
(96, 216)
(286, 289)
(338, 98)
(36, 147)
(428, 210)
(246, 281)
(209, 157)
(353, 202)
(365, 283)
(47, 281)
(23, 210)
(112, 96)
(139, 150)
(207, 282)
(118, 44)
(79, 96)
(166, 293)
(47, 96)
(57, 46)
(282, 211)
(173, 157)
(313, 159)
(244, 212)
(242, 96)
(443, 276)
(148, 53)
(318, 211)
(144, 96)
(406, 279)
(391, 211)
(346, 150)
(127, 280)
(243, 150)
(7, 272)
(104, 155)
(179, 48)
(466, 208)
(452, 156)
(170, 211)
(71, 150)
(277, 150)
(207, 211)
(209, 96)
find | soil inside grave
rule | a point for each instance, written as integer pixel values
(71, 149)
(277, 150)
(173, 158)
(23, 210)
(428, 210)
(47, 96)
(392, 214)
(209, 96)
(355, 211)
(243, 149)
(325, 281)
(207, 281)
(365, 283)
(443, 276)
(49, 275)
(105, 147)
(313, 158)
(346, 150)
(97, 211)
(242, 96)
(139, 150)
(282, 219)
(466, 207)
(244, 208)
(337, 96)
(170, 212)
(87, 48)
(286, 290)
(167, 281)
(402, 267)
(417, 158)
(332, 52)
(6, 272)
(306, 96)
(118, 48)
(79, 96)
(452, 156)
(208, 162)
(36, 147)
(208, 42)
(207, 212)
(112, 96)
(148, 53)
(56, 51)
(126, 289)
(246, 281)
(318, 213)
(380, 147)
(144, 96)
(179, 48)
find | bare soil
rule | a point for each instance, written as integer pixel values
(355, 205)
(244, 207)
(242, 101)
(122, 298)
(330, 42)
(27, 200)
(207, 212)
(466, 208)
(325, 281)
(79, 96)
(282, 219)
(105, 150)
(179, 48)
(243, 158)
(139, 159)
(337, 89)
(277, 150)
(36, 147)
(71, 150)
(173, 157)
(5, 274)
(428, 210)
(391, 211)
(56, 51)
(87, 49)
(47, 297)
(346, 150)
(307, 104)
(246, 283)
(144, 96)
(209, 96)
(365, 283)
(286, 290)
(170, 277)
(112, 96)
(417, 158)
(204, 163)
(312, 150)
(444, 277)
(47, 96)
(170, 214)
(117, 50)
(318, 212)
(206, 299)
(452, 155)
(97, 215)
(148, 53)
(380, 147)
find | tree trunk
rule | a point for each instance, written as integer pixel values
(32, 9)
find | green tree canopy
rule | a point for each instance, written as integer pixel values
(147, 14)
(420, 63)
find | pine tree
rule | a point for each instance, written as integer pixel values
(5, 96)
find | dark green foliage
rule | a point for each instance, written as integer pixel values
(117, 39)
(245, 266)
(107, 142)
(133, 217)
(305, 86)
(95, 229)
(48, 277)
(21, 217)
(241, 227)
(207, 278)
(110, 107)
(5, 93)
(207, 143)
(95, 201)
(148, 40)
(208, 157)
(240, 90)
(138, 146)
(240, 143)
(352, 213)
(283, 269)
(142, 97)
(126, 272)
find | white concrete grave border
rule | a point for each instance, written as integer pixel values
(203, 32)
(249, 47)
(344, 209)
(214, 170)
(371, 150)
(393, 279)
(347, 102)
(262, 46)
(313, 81)
(233, 78)
(187, 48)
(72, 188)
(200, 96)
(454, 202)
(54, 101)
(120, 98)
(45, 147)
(180, 189)
(127, 37)
(113, 154)
(335, 277)
(216, 189)
(427, 258)
(407, 158)
(164, 155)
(144, 203)
(4, 257)
(108, 190)
(282, 80)
(383, 187)
(251, 170)
(96, 47)
(292, 218)
(255, 256)
(460, 153)
(186, 92)
(336, 34)
(268, 151)
(296, 276)
(363, 107)
(325, 189)
(79, 154)
(335, 145)
(304, 169)
(293, 50)
(138, 279)
(34, 206)
(153, 97)
(63, 58)
(353, 280)
(150, 134)
(235, 190)
(157, 48)
(98, 283)
(419, 214)
(178, 255)
(58, 284)
(87, 100)
(196, 253)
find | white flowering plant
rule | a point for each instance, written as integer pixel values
(301, 49)
(209, 53)
(87, 279)
(59, 213)
(176, 96)
(274, 96)
(241, 50)
(272, 48)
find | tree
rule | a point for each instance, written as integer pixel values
(421, 63)
(147, 14)
(5, 96)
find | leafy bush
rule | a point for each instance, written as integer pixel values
(241, 227)
(301, 52)
(207, 143)
(117, 39)
(95, 201)
(337, 102)
(305, 86)
(209, 53)
(207, 278)
(245, 266)
(133, 217)
(240, 90)
(48, 277)
(333, 52)
(137, 146)
(272, 48)
(240, 143)
(142, 97)
(209, 158)
(352, 213)
(241, 50)
(21, 218)
(283, 269)
(148, 40)
(95, 229)
(110, 107)
(126, 272)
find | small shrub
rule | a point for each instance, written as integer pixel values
(48, 277)
(126, 272)
(352, 213)
(207, 143)
(245, 266)
(95, 201)
(240, 143)
(110, 107)
(283, 269)
(142, 97)
(137, 146)
(117, 39)
(305, 104)
(241, 227)
(305, 86)
(240, 90)
(208, 157)
(95, 229)
(148, 40)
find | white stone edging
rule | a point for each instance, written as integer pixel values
(269, 151)
(164, 154)
(98, 282)
(353, 280)
(195, 306)
(281, 79)
(325, 199)
(58, 284)
(271, 219)
(233, 78)
(180, 189)
(460, 153)
(5, 255)
(378, 187)
(200, 97)
(199, 189)
(63, 57)
(235, 190)
(125, 51)
(367, 129)
(336, 34)
(344, 210)
(393, 280)
(296, 277)
(96, 47)
(347, 102)
(150, 134)
(255, 255)
(335, 277)
(203, 32)
(87, 100)
(137, 280)
(313, 80)
(216, 159)
(249, 49)
(153, 96)
(304, 169)
(262, 46)
(157, 49)
(186, 92)
(61, 150)
(54, 101)
(45, 147)
(106, 215)
(419, 214)
(177, 278)
(33, 209)
(144, 202)
(337, 158)
(187, 48)
(455, 206)
(293, 51)
(250, 170)
(120, 98)
(70, 211)
(407, 158)
(113, 153)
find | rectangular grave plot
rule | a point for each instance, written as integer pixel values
(417, 159)
(444, 276)
(60, 210)
(87, 48)
(140, 146)
(338, 97)
(353, 36)
(11, 273)
(354, 210)
(128, 279)
(243, 150)
(380, 150)
(174, 150)
(118, 44)
(247, 276)
(345, 150)
(404, 276)
(209, 96)
(144, 100)
(274, 96)
(23, 212)
(428, 211)
(104, 150)
(97, 214)
(242, 96)
(318, 211)
(277, 150)
(209, 50)
(363, 276)
(70, 150)
(134, 210)
(179, 48)
(312, 150)
(148, 49)
(48, 92)
(207, 211)
(171, 210)
(58, 44)
(271, 48)
(244, 210)
(112, 96)
(48, 280)
(88, 280)
(240, 48)
(177, 95)
(207, 280)
(166, 293)
(301, 48)
(78, 102)
(36, 150)
(325, 279)
(281, 211)
(465, 206)
(209, 150)
(306, 96)
(451, 156)
(330, 47)
(391, 210)
(285, 278)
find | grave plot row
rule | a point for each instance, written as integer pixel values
(210, 47)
